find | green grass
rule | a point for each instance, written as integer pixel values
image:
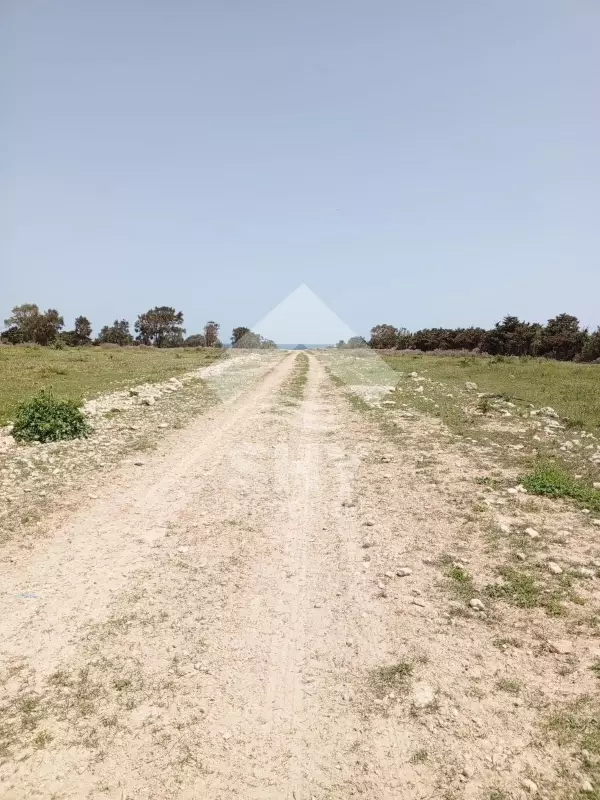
(462, 583)
(84, 372)
(573, 390)
(522, 590)
(553, 481)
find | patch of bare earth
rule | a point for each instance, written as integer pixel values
(277, 604)
(38, 479)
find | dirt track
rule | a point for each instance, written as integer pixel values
(218, 624)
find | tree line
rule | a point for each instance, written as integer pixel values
(561, 338)
(161, 326)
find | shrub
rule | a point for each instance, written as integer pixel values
(44, 418)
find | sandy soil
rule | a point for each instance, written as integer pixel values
(229, 619)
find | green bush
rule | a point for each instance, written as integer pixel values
(44, 418)
(552, 481)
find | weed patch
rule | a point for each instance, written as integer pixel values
(295, 385)
(576, 726)
(391, 678)
(419, 756)
(521, 589)
(510, 685)
(552, 481)
(461, 582)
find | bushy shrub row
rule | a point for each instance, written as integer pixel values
(561, 338)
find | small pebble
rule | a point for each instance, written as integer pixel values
(530, 786)
(403, 572)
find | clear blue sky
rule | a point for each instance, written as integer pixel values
(416, 162)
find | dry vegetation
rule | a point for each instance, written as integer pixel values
(508, 451)
(421, 565)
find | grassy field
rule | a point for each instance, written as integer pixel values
(85, 372)
(573, 390)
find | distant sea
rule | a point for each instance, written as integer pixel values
(303, 346)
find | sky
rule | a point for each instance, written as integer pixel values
(413, 162)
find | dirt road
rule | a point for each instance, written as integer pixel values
(231, 618)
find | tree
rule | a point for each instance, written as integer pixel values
(117, 333)
(80, 336)
(24, 319)
(356, 342)
(28, 325)
(511, 337)
(83, 331)
(591, 349)
(384, 337)
(12, 335)
(211, 334)
(48, 327)
(403, 339)
(237, 334)
(249, 340)
(196, 340)
(562, 338)
(161, 326)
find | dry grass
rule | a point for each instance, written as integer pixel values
(293, 387)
